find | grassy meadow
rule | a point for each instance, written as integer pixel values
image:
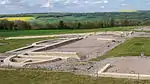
(17, 43)
(132, 47)
(35, 77)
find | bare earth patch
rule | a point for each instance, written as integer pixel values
(132, 65)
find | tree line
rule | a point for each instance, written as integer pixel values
(23, 25)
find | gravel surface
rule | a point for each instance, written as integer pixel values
(71, 65)
(133, 65)
(90, 47)
(143, 29)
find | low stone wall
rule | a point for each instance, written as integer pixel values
(26, 47)
(51, 46)
(63, 55)
(42, 62)
(19, 49)
(55, 45)
(107, 39)
(9, 61)
(37, 57)
(118, 33)
(123, 75)
(104, 68)
(48, 36)
(39, 42)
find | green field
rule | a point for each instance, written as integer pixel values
(70, 18)
(50, 32)
(17, 43)
(132, 47)
(32, 77)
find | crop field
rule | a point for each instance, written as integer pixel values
(35, 77)
(69, 18)
(64, 31)
(18, 18)
(132, 15)
(132, 47)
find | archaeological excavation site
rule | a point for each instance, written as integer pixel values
(78, 53)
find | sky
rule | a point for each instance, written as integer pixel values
(35, 6)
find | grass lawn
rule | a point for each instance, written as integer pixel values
(50, 32)
(132, 47)
(17, 43)
(31, 77)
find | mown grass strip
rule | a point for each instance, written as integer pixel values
(5, 33)
(132, 47)
(32, 77)
(17, 43)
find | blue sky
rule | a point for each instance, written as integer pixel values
(24, 6)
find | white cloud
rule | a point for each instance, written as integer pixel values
(67, 2)
(19, 6)
(4, 2)
(105, 1)
(46, 5)
(124, 4)
(86, 2)
(75, 1)
(102, 6)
